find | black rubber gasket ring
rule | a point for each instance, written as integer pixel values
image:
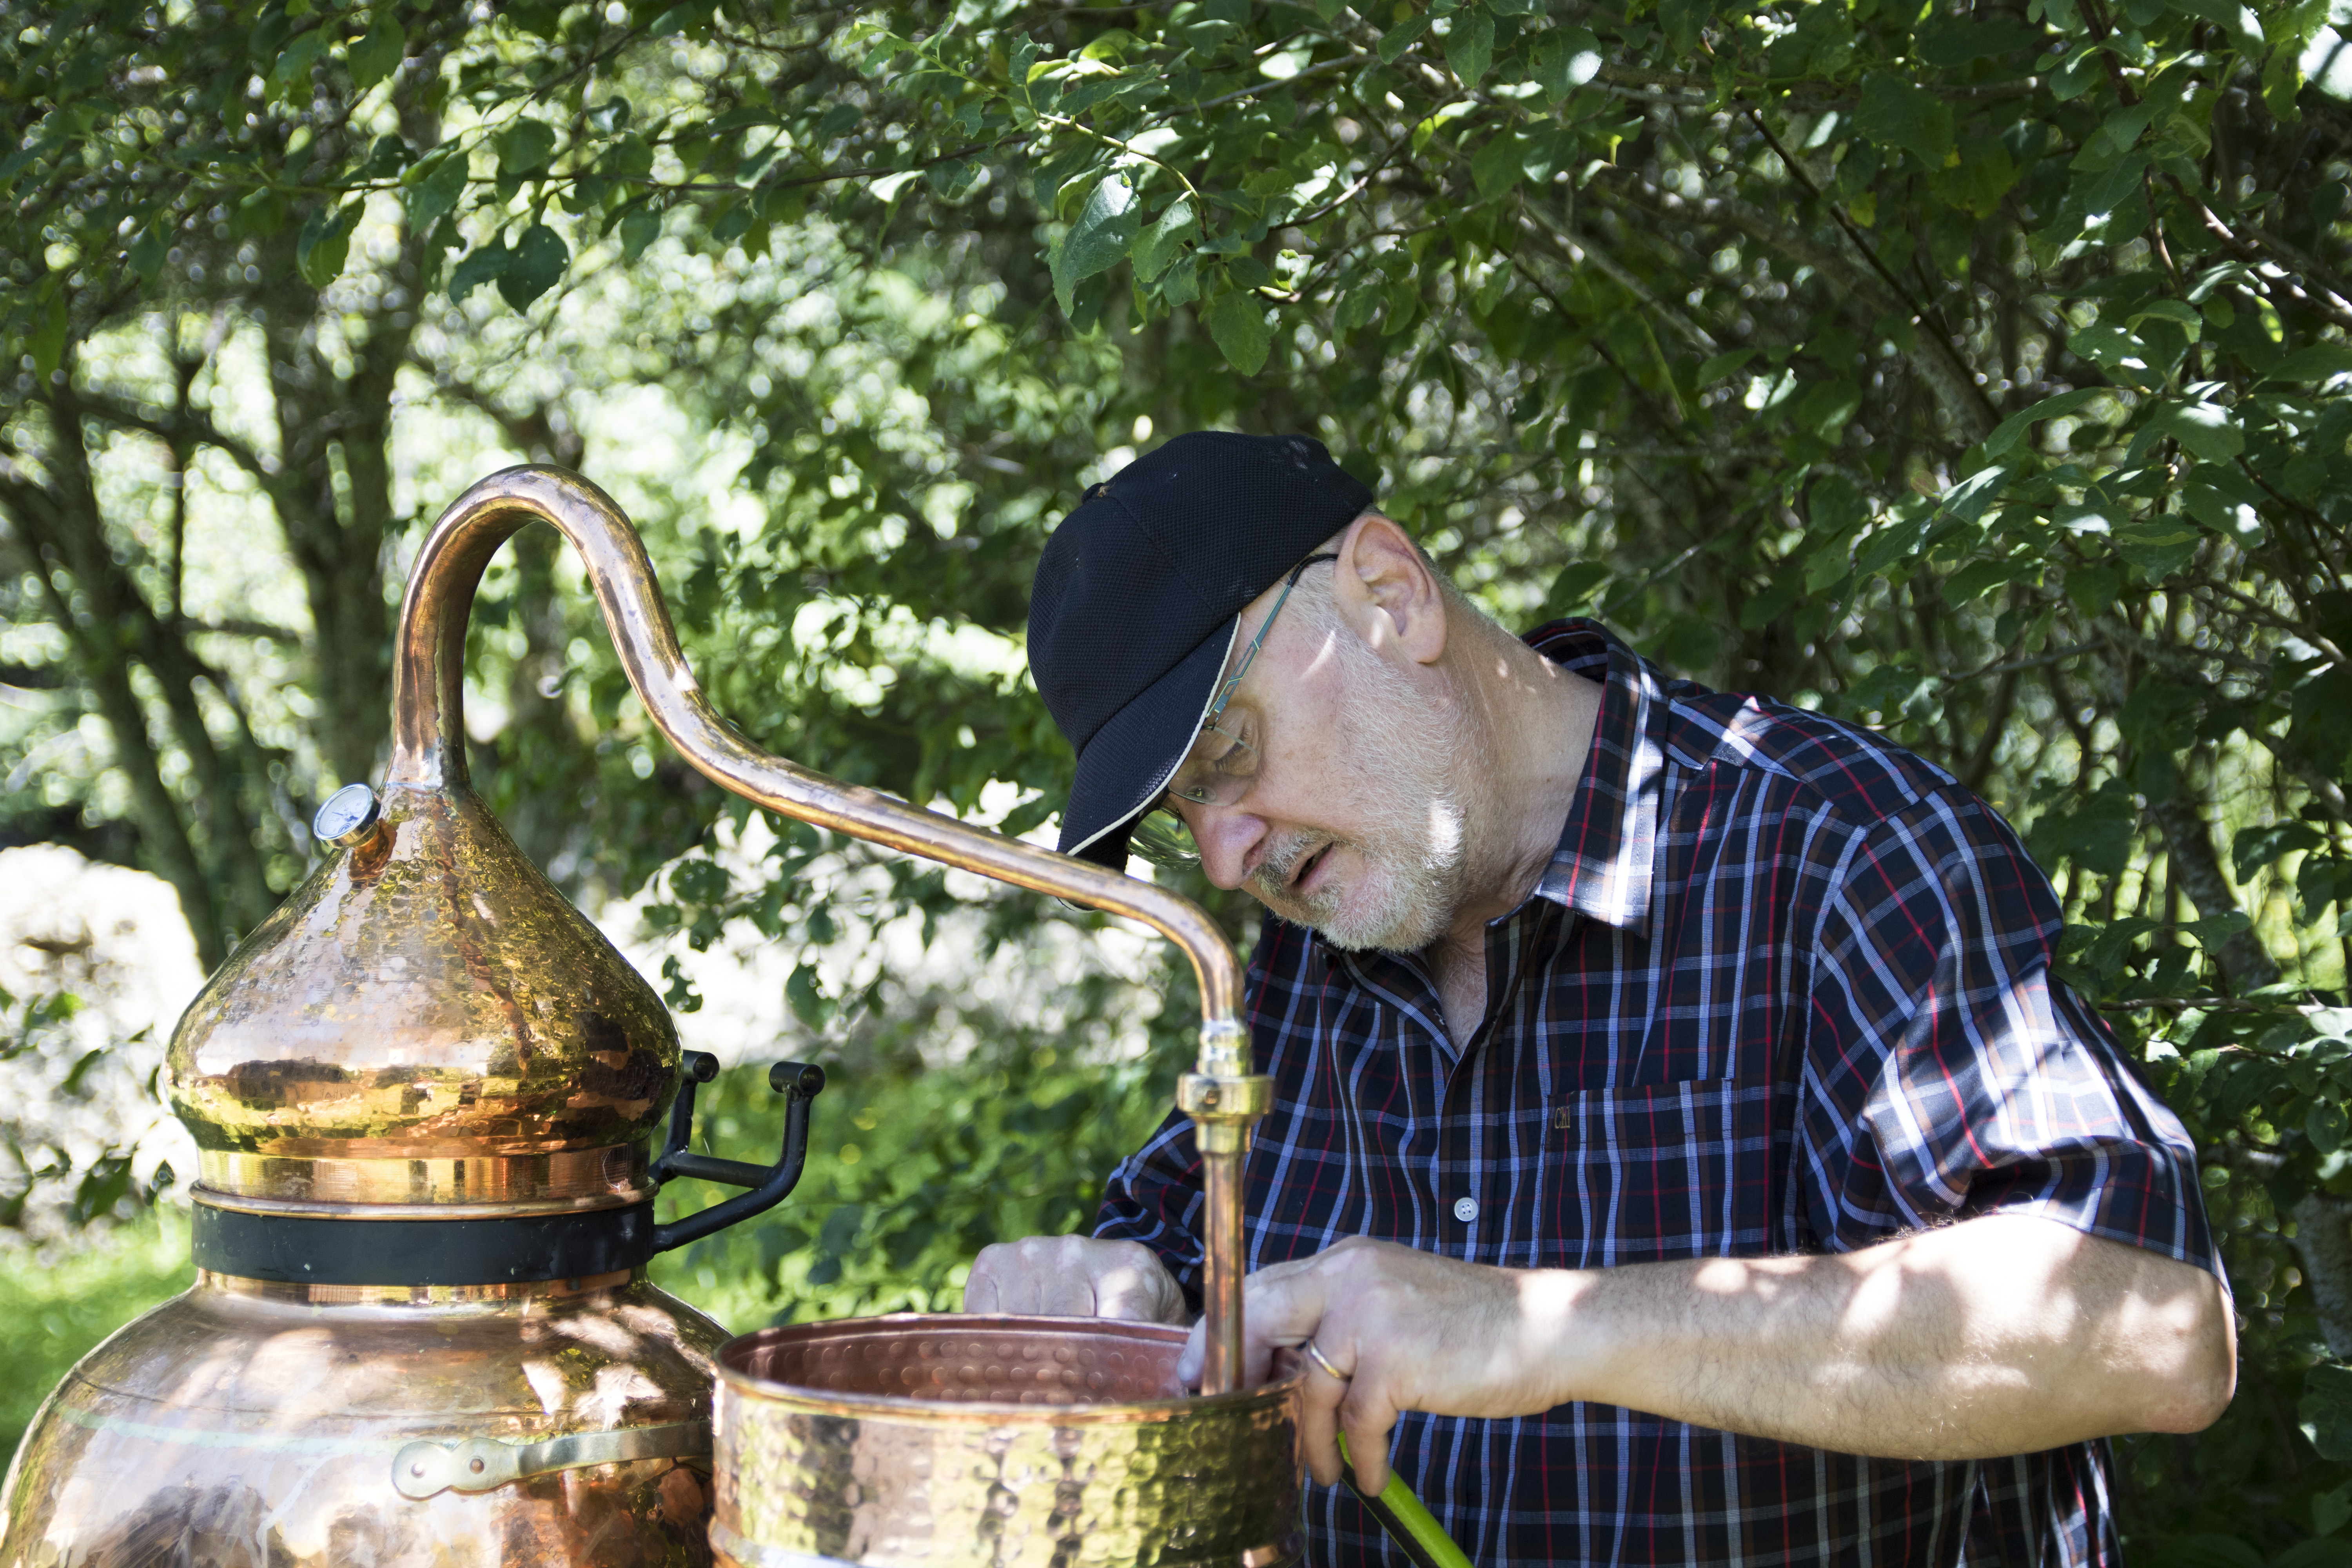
(286, 1249)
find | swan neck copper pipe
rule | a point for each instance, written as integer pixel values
(428, 752)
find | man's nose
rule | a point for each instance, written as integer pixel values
(1228, 836)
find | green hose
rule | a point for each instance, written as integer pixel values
(1409, 1524)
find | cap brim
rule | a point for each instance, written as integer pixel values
(1125, 769)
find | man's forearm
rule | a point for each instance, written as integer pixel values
(2000, 1335)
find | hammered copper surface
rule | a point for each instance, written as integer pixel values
(426, 1021)
(242, 1426)
(941, 1441)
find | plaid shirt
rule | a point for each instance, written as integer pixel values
(1784, 989)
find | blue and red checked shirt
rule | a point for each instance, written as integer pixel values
(1784, 988)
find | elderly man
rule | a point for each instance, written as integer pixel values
(1681, 1151)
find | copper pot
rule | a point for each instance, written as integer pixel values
(257, 1425)
(930, 1440)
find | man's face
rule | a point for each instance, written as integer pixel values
(1358, 822)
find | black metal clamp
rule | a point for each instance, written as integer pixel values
(799, 1083)
(571, 1245)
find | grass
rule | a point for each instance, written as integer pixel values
(52, 1315)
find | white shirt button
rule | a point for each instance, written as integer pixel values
(1465, 1209)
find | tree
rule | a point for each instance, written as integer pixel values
(1970, 370)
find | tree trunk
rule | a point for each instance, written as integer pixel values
(2197, 868)
(62, 528)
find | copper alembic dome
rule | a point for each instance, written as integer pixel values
(425, 1091)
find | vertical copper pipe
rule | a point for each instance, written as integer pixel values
(428, 751)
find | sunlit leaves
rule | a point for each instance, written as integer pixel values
(325, 243)
(376, 54)
(1104, 228)
(536, 262)
(1238, 322)
(524, 148)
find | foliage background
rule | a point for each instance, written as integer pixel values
(1970, 368)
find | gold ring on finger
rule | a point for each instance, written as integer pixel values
(1314, 1354)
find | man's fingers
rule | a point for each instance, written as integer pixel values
(1318, 1422)
(1134, 1294)
(1065, 1295)
(980, 1289)
(1367, 1419)
(1279, 1307)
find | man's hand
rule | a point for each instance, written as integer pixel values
(1409, 1329)
(2005, 1334)
(1074, 1276)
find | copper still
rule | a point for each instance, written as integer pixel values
(426, 1090)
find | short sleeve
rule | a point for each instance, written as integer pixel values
(1947, 1073)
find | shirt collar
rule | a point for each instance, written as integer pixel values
(1604, 864)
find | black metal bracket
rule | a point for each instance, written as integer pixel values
(799, 1083)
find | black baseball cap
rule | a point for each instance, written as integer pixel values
(1138, 598)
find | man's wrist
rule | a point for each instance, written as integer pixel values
(1563, 1341)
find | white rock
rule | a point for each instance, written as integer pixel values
(116, 939)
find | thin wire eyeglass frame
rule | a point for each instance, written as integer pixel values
(1225, 695)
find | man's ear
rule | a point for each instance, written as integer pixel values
(1387, 591)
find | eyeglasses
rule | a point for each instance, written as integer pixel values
(1222, 763)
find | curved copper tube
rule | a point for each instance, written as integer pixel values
(428, 751)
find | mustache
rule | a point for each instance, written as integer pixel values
(1272, 878)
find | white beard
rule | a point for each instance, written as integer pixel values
(1415, 845)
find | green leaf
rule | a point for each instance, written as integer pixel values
(2156, 546)
(1498, 165)
(48, 338)
(2012, 430)
(2229, 15)
(2225, 515)
(376, 55)
(1470, 46)
(1563, 59)
(1399, 38)
(524, 147)
(811, 1007)
(1974, 580)
(1966, 501)
(1572, 590)
(1682, 20)
(1238, 322)
(539, 260)
(1164, 241)
(1948, 43)
(2326, 1410)
(486, 264)
(1714, 370)
(1898, 114)
(435, 190)
(2184, 316)
(680, 20)
(292, 75)
(147, 253)
(2205, 430)
(2317, 362)
(1106, 227)
(638, 228)
(325, 244)
(2215, 929)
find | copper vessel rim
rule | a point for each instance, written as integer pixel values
(799, 1397)
(403, 1298)
(314, 1208)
